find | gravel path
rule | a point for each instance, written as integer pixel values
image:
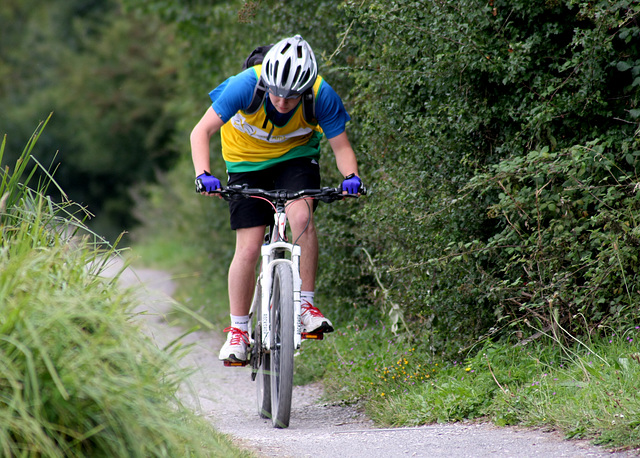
(226, 396)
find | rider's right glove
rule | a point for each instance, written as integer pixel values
(352, 184)
(206, 182)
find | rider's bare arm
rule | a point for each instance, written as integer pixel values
(200, 139)
(345, 157)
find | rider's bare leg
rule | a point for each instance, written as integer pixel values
(298, 215)
(242, 271)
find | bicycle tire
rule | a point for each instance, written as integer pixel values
(263, 388)
(260, 361)
(282, 348)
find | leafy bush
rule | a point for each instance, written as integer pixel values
(445, 92)
(568, 239)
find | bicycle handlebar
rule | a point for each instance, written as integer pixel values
(326, 194)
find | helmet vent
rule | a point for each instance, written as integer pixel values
(296, 76)
(306, 76)
(285, 71)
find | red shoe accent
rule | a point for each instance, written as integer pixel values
(237, 335)
(313, 311)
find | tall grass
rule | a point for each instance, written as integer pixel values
(77, 376)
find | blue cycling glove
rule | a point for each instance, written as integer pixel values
(352, 184)
(206, 182)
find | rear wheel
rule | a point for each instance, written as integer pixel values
(281, 357)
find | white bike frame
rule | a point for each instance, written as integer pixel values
(269, 261)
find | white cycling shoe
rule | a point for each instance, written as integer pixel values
(235, 348)
(313, 320)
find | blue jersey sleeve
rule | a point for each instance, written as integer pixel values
(233, 94)
(236, 92)
(330, 111)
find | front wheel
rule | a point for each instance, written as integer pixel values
(263, 388)
(282, 345)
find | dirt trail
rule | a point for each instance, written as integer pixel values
(226, 397)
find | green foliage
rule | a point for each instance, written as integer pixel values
(79, 377)
(568, 245)
(110, 80)
(442, 92)
(217, 35)
(21, 206)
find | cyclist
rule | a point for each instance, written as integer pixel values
(275, 147)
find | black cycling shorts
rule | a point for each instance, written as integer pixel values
(292, 175)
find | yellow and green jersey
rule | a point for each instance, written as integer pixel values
(259, 140)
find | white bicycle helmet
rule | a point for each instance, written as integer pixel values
(289, 68)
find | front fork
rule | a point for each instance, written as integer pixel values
(272, 254)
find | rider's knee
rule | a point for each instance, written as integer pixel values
(300, 218)
(247, 252)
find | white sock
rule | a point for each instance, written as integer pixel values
(307, 296)
(240, 322)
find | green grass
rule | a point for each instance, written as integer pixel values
(77, 376)
(586, 392)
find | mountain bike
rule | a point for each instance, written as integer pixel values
(276, 327)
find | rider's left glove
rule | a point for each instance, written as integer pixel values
(352, 184)
(205, 182)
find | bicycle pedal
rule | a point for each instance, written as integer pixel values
(313, 335)
(235, 363)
